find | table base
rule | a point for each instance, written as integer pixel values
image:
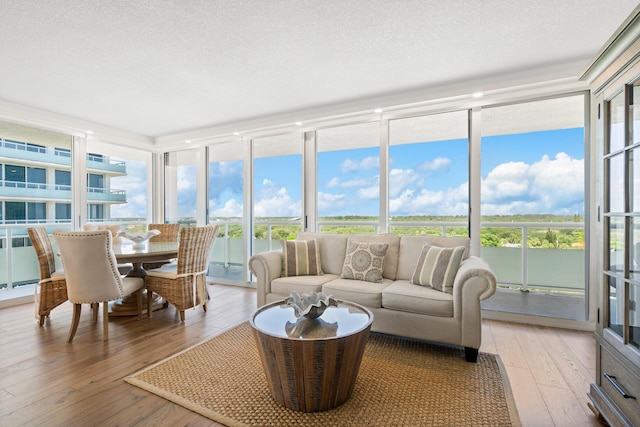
(128, 306)
(311, 375)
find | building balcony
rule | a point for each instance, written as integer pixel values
(34, 192)
(55, 156)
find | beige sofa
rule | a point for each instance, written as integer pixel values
(399, 307)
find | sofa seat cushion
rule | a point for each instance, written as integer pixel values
(364, 293)
(300, 284)
(404, 296)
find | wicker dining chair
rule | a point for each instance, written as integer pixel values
(92, 275)
(168, 233)
(183, 284)
(51, 290)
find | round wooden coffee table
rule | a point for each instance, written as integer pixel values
(311, 365)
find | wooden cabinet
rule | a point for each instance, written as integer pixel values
(614, 78)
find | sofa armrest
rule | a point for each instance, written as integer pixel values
(266, 266)
(474, 282)
(475, 267)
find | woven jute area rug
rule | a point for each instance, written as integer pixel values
(401, 383)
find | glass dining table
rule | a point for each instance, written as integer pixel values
(137, 256)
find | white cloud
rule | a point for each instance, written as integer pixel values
(437, 164)
(275, 201)
(452, 201)
(370, 162)
(547, 186)
(350, 183)
(230, 209)
(331, 202)
(401, 179)
(371, 192)
(186, 180)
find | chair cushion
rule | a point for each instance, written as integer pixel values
(364, 261)
(437, 267)
(131, 284)
(364, 293)
(169, 271)
(302, 284)
(301, 258)
(404, 296)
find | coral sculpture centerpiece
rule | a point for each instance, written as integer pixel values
(310, 305)
(139, 238)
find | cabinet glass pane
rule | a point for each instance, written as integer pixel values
(634, 250)
(616, 118)
(634, 182)
(616, 304)
(634, 113)
(634, 315)
(616, 183)
(616, 244)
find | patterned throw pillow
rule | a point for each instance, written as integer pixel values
(437, 267)
(364, 261)
(301, 258)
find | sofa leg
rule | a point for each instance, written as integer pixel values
(471, 354)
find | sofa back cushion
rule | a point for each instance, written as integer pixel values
(301, 258)
(332, 250)
(391, 258)
(364, 261)
(411, 247)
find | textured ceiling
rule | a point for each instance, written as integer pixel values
(166, 67)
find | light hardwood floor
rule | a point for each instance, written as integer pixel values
(45, 381)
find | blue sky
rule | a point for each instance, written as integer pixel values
(538, 172)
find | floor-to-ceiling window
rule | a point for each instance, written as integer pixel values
(29, 160)
(428, 175)
(226, 200)
(277, 190)
(117, 184)
(180, 184)
(533, 204)
(348, 179)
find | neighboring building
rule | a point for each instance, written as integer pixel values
(35, 179)
(35, 188)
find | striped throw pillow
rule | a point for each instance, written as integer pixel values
(301, 258)
(437, 267)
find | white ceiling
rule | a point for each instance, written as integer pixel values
(162, 68)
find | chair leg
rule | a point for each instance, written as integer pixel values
(42, 317)
(94, 309)
(74, 323)
(149, 302)
(105, 321)
(139, 301)
(182, 315)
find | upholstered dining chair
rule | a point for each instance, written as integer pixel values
(168, 233)
(92, 274)
(115, 239)
(51, 290)
(183, 283)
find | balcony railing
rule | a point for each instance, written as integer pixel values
(57, 156)
(515, 265)
(519, 265)
(37, 191)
